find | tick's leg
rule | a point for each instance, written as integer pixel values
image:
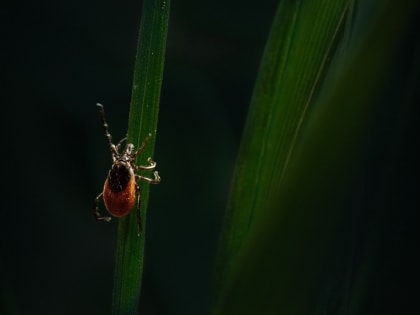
(155, 180)
(117, 147)
(143, 145)
(107, 134)
(138, 211)
(96, 213)
(150, 167)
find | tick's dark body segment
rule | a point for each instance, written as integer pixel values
(121, 191)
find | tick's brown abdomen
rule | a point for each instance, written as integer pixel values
(120, 190)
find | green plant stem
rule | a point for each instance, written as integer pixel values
(143, 118)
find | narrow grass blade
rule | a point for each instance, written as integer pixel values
(143, 120)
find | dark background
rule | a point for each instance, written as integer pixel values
(58, 60)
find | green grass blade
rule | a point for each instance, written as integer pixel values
(298, 239)
(143, 120)
(302, 39)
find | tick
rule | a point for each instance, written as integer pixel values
(121, 191)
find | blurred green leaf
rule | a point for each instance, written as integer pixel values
(301, 42)
(299, 234)
(147, 81)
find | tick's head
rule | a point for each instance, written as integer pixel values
(129, 149)
(126, 156)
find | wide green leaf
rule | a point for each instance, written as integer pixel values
(302, 252)
(302, 40)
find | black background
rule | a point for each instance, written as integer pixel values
(58, 60)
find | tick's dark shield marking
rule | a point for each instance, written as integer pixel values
(121, 191)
